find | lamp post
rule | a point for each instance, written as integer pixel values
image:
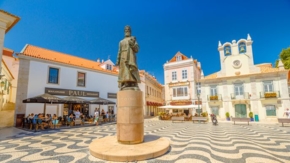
(198, 95)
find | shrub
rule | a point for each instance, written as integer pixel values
(227, 114)
(251, 115)
(204, 114)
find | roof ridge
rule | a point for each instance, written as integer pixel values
(60, 53)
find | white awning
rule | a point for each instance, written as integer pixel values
(179, 106)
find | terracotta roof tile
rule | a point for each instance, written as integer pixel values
(178, 53)
(45, 54)
(8, 52)
(211, 76)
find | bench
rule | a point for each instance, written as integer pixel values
(283, 120)
(241, 120)
(204, 119)
(177, 119)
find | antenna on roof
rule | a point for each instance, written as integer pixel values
(109, 57)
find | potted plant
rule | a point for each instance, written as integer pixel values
(159, 115)
(228, 116)
(251, 116)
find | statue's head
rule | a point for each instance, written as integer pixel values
(127, 31)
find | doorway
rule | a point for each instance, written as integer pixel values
(240, 110)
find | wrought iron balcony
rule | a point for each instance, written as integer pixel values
(274, 94)
(214, 97)
(245, 95)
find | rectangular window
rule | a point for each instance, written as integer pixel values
(213, 91)
(215, 110)
(109, 67)
(270, 110)
(184, 74)
(180, 92)
(53, 75)
(81, 79)
(174, 76)
(239, 89)
(268, 86)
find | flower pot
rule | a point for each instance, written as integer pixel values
(252, 119)
(228, 119)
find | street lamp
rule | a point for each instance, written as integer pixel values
(198, 95)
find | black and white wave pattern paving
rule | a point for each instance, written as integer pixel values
(190, 143)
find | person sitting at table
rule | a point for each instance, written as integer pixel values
(71, 116)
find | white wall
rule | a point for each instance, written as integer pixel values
(95, 81)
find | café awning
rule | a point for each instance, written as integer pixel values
(179, 106)
(101, 101)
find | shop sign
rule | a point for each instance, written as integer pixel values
(181, 102)
(112, 95)
(69, 92)
(179, 84)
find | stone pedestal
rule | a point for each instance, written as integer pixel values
(130, 120)
(130, 143)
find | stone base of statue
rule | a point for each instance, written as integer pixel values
(130, 143)
(130, 120)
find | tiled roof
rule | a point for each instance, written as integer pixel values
(13, 23)
(45, 54)
(211, 76)
(178, 53)
(265, 68)
(8, 52)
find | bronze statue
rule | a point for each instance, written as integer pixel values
(127, 61)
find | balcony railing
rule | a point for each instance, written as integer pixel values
(275, 94)
(214, 97)
(245, 95)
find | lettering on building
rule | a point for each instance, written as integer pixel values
(181, 102)
(69, 92)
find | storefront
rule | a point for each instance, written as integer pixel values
(62, 75)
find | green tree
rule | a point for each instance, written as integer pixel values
(285, 58)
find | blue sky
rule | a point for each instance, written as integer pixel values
(92, 29)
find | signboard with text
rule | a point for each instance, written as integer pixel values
(69, 92)
(112, 95)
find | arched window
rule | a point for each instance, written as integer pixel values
(178, 58)
(227, 50)
(242, 48)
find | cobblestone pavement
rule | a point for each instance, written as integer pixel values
(190, 142)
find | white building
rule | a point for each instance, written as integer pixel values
(7, 76)
(241, 86)
(46, 71)
(180, 76)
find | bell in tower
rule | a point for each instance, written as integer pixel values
(227, 50)
(242, 47)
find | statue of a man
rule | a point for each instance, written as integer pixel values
(127, 61)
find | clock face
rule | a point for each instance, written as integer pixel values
(237, 63)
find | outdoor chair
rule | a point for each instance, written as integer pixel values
(100, 120)
(25, 123)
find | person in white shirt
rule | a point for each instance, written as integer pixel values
(96, 117)
(287, 113)
(77, 114)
